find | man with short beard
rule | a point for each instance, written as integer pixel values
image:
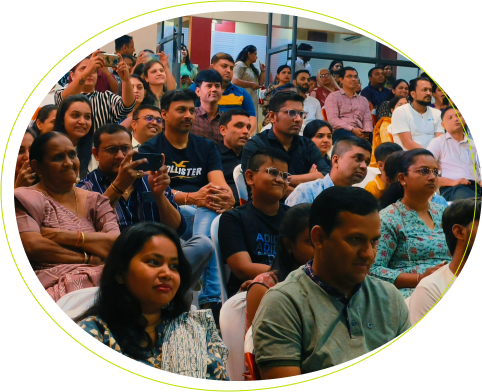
(311, 105)
(417, 124)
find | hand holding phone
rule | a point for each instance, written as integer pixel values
(154, 161)
(111, 60)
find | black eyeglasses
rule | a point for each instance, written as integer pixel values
(276, 173)
(149, 118)
(113, 150)
(425, 171)
(293, 113)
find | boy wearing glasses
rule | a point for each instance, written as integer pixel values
(146, 123)
(286, 116)
(248, 234)
(457, 157)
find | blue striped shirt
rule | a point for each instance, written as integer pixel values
(133, 210)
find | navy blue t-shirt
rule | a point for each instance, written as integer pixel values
(190, 166)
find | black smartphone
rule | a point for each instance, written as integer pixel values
(154, 161)
(148, 197)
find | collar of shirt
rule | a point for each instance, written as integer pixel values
(339, 296)
(272, 136)
(201, 112)
(379, 182)
(327, 182)
(343, 92)
(377, 88)
(135, 143)
(225, 150)
(449, 136)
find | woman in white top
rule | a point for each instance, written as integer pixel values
(246, 75)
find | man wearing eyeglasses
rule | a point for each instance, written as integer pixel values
(146, 123)
(139, 197)
(457, 156)
(286, 116)
(348, 112)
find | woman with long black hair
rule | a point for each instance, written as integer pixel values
(189, 70)
(246, 75)
(139, 309)
(74, 119)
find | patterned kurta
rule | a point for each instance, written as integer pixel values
(188, 345)
(402, 230)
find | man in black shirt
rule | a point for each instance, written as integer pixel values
(235, 127)
(248, 234)
(286, 115)
(375, 93)
(197, 179)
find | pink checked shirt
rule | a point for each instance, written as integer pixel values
(347, 113)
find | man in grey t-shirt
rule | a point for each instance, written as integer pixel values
(329, 311)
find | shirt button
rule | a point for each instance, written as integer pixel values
(353, 323)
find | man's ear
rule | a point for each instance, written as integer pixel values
(95, 153)
(272, 117)
(163, 114)
(198, 91)
(335, 159)
(249, 177)
(222, 130)
(380, 165)
(318, 236)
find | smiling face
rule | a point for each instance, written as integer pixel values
(323, 139)
(153, 278)
(416, 185)
(23, 153)
(350, 168)
(225, 69)
(236, 132)
(209, 92)
(179, 117)
(145, 129)
(60, 165)
(346, 255)
(156, 75)
(265, 185)
(77, 121)
(401, 90)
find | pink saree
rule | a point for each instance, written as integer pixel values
(43, 211)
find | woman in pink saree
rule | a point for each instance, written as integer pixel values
(325, 86)
(67, 232)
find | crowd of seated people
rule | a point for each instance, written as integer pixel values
(119, 184)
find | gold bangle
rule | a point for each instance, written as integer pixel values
(83, 239)
(86, 258)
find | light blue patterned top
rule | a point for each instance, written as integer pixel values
(307, 192)
(402, 231)
(437, 199)
(188, 345)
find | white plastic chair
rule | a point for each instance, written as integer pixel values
(371, 174)
(223, 270)
(240, 185)
(231, 322)
(78, 301)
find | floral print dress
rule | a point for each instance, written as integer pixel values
(188, 345)
(402, 231)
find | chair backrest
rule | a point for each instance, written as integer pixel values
(223, 270)
(240, 185)
(231, 322)
(323, 112)
(249, 355)
(77, 302)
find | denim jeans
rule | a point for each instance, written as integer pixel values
(199, 222)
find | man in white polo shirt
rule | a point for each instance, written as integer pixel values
(417, 124)
(453, 152)
(311, 105)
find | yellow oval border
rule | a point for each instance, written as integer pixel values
(146, 13)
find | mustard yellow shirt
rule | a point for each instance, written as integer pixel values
(376, 187)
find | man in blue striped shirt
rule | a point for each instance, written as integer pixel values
(130, 192)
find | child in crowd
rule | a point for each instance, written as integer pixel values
(248, 234)
(382, 152)
(460, 228)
